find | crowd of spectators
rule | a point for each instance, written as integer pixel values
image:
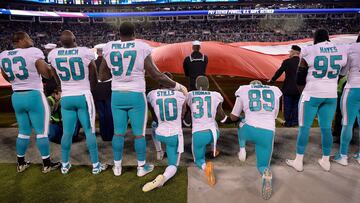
(90, 34)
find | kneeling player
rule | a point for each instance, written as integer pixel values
(167, 105)
(204, 106)
(260, 104)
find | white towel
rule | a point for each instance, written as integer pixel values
(214, 134)
(91, 110)
(181, 142)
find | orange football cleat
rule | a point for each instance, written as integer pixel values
(209, 172)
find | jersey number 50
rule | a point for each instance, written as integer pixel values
(66, 73)
(256, 104)
(7, 65)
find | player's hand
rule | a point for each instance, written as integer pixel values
(181, 88)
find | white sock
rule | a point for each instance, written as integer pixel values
(326, 158)
(203, 166)
(156, 143)
(95, 164)
(299, 157)
(117, 163)
(343, 156)
(64, 164)
(141, 163)
(242, 149)
(170, 171)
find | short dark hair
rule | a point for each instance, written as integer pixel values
(296, 48)
(321, 35)
(127, 29)
(17, 36)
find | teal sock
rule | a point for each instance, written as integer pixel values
(140, 148)
(22, 145)
(118, 146)
(92, 147)
(43, 146)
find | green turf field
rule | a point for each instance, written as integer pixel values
(81, 186)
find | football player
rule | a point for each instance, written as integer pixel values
(167, 108)
(319, 67)
(205, 105)
(22, 67)
(125, 61)
(76, 69)
(350, 102)
(260, 103)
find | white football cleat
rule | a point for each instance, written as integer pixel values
(342, 160)
(160, 155)
(324, 164)
(143, 170)
(117, 170)
(65, 168)
(297, 165)
(99, 168)
(357, 157)
(242, 155)
(157, 182)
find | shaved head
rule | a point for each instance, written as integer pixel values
(67, 39)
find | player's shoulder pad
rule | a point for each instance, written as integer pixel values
(240, 89)
(36, 52)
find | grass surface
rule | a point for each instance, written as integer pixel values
(81, 186)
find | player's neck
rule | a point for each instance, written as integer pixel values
(124, 39)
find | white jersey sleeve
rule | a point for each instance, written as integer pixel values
(352, 68)
(325, 61)
(238, 107)
(126, 62)
(167, 105)
(19, 66)
(72, 67)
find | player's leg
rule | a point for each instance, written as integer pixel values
(242, 144)
(138, 119)
(173, 156)
(357, 154)
(326, 115)
(69, 120)
(23, 121)
(264, 142)
(348, 109)
(85, 107)
(120, 118)
(40, 119)
(308, 108)
(159, 151)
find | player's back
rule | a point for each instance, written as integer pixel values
(203, 106)
(19, 66)
(260, 104)
(167, 105)
(325, 61)
(72, 67)
(353, 66)
(126, 63)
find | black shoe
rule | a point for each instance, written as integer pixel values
(22, 167)
(51, 167)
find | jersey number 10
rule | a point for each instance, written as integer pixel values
(164, 104)
(264, 99)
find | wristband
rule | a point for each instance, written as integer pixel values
(224, 120)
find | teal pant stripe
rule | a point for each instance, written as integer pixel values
(129, 105)
(72, 109)
(200, 140)
(325, 109)
(264, 143)
(350, 108)
(171, 144)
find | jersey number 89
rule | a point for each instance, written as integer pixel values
(264, 99)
